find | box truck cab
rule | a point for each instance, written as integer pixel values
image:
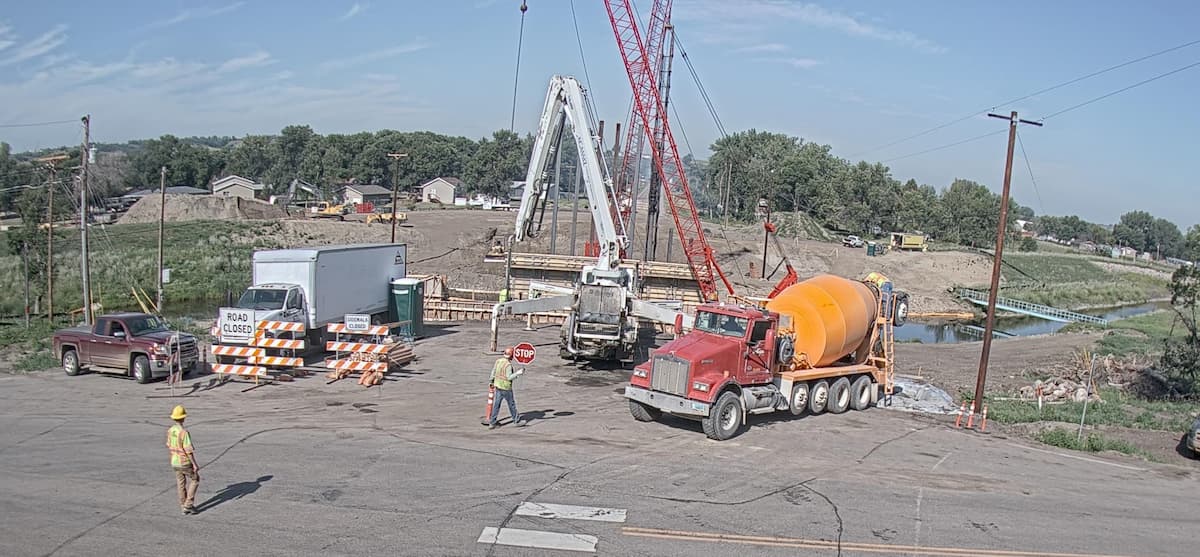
(315, 287)
(820, 345)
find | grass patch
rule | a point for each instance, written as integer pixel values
(1051, 269)
(206, 258)
(1119, 408)
(1075, 282)
(1092, 443)
(37, 360)
(1140, 334)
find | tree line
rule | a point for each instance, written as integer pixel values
(794, 174)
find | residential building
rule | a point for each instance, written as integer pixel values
(236, 186)
(360, 194)
(441, 190)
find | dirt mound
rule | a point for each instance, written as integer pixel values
(200, 207)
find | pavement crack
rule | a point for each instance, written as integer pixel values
(888, 441)
(731, 503)
(836, 513)
(512, 512)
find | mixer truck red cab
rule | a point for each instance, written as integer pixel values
(824, 344)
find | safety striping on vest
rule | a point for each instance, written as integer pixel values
(372, 330)
(276, 361)
(240, 351)
(539, 539)
(362, 347)
(354, 365)
(281, 326)
(570, 512)
(294, 344)
(242, 371)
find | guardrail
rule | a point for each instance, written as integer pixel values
(1028, 308)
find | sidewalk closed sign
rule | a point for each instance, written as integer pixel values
(357, 321)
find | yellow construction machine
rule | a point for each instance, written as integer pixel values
(386, 218)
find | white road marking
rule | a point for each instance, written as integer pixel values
(1085, 459)
(538, 539)
(571, 512)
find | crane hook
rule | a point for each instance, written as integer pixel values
(524, 8)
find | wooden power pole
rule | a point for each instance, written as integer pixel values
(162, 217)
(395, 185)
(1001, 231)
(51, 163)
(85, 256)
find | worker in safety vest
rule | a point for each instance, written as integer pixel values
(183, 460)
(877, 279)
(502, 379)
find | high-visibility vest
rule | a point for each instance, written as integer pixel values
(500, 374)
(877, 278)
(179, 443)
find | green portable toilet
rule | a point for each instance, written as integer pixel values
(871, 249)
(408, 303)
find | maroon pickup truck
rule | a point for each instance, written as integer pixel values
(134, 344)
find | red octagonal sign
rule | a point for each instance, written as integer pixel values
(524, 353)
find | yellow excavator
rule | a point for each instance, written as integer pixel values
(386, 218)
(327, 210)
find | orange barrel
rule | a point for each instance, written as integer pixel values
(831, 316)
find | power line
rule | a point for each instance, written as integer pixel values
(1041, 205)
(1123, 89)
(947, 146)
(579, 40)
(712, 110)
(38, 124)
(1030, 95)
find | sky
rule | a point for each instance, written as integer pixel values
(854, 75)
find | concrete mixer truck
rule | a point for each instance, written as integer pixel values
(824, 344)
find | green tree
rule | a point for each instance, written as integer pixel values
(187, 164)
(1181, 355)
(497, 162)
(1192, 244)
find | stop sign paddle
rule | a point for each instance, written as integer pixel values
(524, 353)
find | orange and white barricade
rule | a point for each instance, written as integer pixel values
(241, 371)
(265, 353)
(366, 350)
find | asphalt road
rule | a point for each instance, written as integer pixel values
(406, 469)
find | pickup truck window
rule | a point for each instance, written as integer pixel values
(139, 326)
(115, 327)
(262, 299)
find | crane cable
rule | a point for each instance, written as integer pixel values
(517, 76)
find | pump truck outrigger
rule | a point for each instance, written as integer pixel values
(824, 344)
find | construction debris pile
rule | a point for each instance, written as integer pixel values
(397, 354)
(1058, 390)
(1071, 379)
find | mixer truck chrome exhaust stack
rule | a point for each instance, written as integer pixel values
(824, 344)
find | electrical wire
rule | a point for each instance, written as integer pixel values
(712, 110)
(1024, 97)
(586, 77)
(947, 146)
(1041, 206)
(38, 124)
(1122, 90)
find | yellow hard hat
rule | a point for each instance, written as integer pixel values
(178, 413)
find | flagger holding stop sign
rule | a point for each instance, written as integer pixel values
(501, 380)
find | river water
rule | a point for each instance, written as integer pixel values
(968, 331)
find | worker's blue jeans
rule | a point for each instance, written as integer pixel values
(503, 394)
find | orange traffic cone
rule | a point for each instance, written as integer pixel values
(961, 410)
(983, 423)
(487, 414)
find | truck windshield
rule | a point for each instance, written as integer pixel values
(262, 299)
(139, 326)
(720, 324)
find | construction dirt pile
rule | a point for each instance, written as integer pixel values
(200, 207)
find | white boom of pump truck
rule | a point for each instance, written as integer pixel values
(603, 308)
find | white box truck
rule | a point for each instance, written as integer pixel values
(316, 287)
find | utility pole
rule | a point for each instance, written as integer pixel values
(25, 264)
(84, 271)
(51, 163)
(654, 194)
(765, 208)
(395, 176)
(162, 217)
(1001, 230)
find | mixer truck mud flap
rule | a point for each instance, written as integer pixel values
(668, 403)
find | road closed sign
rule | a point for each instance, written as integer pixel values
(524, 353)
(236, 325)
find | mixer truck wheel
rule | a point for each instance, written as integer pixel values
(725, 420)
(799, 401)
(818, 395)
(643, 413)
(860, 393)
(839, 396)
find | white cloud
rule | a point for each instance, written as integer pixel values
(44, 44)
(7, 38)
(762, 13)
(286, 74)
(190, 14)
(353, 11)
(765, 47)
(260, 58)
(799, 63)
(374, 55)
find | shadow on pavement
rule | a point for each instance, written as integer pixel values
(233, 491)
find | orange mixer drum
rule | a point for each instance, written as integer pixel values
(831, 316)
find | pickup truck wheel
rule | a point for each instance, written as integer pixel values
(818, 395)
(643, 413)
(799, 400)
(839, 396)
(70, 362)
(725, 420)
(860, 393)
(141, 369)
